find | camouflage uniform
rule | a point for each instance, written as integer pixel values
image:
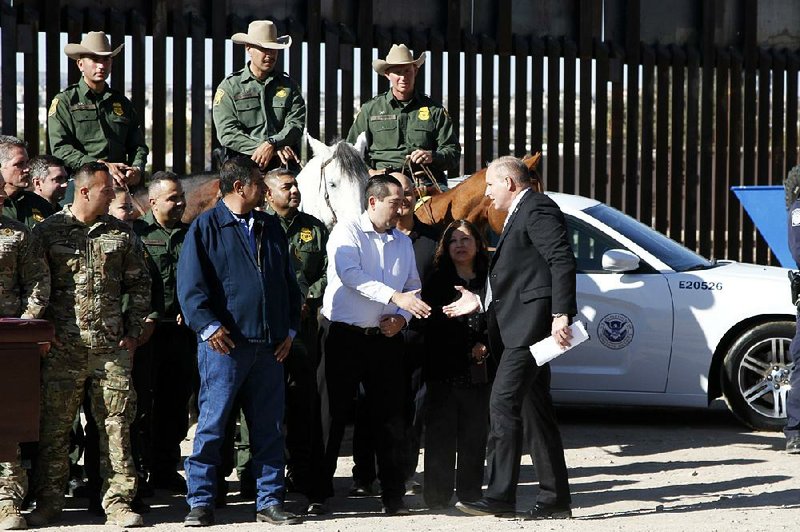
(92, 268)
(24, 291)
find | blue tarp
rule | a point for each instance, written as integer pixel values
(767, 208)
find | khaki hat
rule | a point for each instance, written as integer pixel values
(398, 55)
(94, 43)
(262, 33)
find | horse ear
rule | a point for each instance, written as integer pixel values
(317, 147)
(361, 144)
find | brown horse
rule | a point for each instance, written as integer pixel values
(467, 201)
(202, 191)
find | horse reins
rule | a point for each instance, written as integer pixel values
(419, 185)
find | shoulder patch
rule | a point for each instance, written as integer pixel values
(796, 217)
(53, 107)
(218, 96)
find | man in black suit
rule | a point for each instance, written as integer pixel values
(530, 294)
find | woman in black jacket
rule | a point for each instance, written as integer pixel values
(457, 371)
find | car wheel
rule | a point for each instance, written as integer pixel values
(755, 379)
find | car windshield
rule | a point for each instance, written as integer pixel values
(667, 250)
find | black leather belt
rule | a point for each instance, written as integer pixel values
(366, 331)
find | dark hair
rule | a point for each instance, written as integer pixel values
(6, 143)
(160, 177)
(272, 176)
(278, 172)
(378, 186)
(86, 171)
(444, 263)
(236, 169)
(40, 164)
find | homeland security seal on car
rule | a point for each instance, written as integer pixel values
(615, 331)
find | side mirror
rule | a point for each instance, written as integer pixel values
(620, 261)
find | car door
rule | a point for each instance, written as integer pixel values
(629, 319)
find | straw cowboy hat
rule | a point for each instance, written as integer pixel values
(94, 43)
(262, 33)
(398, 55)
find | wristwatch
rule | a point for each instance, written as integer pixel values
(560, 315)
(272, 141)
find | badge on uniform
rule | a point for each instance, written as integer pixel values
(37, 215)
(7, 231)
(218, 96)
(281, 93)
(117, 108)
(53, 107)
(306, 235)
(424, 113)
(795, 217)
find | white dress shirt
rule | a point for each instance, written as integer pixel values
(365, 268)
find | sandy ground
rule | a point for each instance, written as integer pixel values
(630, 469)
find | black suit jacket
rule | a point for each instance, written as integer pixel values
(532, 273)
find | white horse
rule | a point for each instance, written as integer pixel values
(333, 181)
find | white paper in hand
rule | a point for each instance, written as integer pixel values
(546, 350)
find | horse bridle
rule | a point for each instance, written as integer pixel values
(324, 183)
(419, 185)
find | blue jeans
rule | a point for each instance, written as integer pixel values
(252, 372)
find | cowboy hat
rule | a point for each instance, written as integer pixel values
(94, 43)
(398, 55)
(262, 33)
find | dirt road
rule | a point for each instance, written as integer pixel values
(630, 469)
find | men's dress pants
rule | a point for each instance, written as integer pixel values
(792, 428)
(349, 358)
(106, 375)
(521, 395)
(252, 371)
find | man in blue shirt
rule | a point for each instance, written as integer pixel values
(238, 292)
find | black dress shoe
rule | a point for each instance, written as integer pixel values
(317, 508)
(485, 507)
(276, 515)
(362, 489)
(548, 511)
(793, 445)
(199, 516)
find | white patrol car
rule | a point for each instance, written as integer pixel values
(670, 328)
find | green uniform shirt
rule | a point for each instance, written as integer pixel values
(93, 267)
(307, 240)
(394, 130)
(24, 275)
(28, 207)
(83, 127)
(163, 247)
(248, 112)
